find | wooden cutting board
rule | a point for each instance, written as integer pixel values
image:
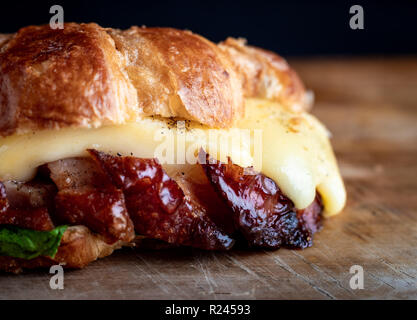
(370, 106)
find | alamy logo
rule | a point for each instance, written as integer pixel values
(179, 145)
(57, 20)
(356, 281)
(57, 280)
(357, 20)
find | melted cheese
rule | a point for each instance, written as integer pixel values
(292, 149)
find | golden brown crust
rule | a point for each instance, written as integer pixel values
(264, 74)
(4, 38)
(180, 74)
(58, 78)
(88, 76)
(78, 248)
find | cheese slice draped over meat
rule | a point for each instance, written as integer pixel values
(293, 149)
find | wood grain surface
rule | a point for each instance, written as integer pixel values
(370, 106)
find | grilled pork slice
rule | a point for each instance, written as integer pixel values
(108, 201)
(261, 212)
(158, 206)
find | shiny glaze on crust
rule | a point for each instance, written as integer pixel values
(86, 76)
(65, 77)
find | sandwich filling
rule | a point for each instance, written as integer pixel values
(266, 181)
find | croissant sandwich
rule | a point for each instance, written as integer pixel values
(112, 138)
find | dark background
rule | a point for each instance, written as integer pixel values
(287, 27)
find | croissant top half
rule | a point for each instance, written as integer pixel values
(88, 76)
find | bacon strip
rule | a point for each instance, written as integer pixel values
(261, 212)
(102, 211)
(25, 206)
(74, 173)
(158, 206)
(32, 194)
(204, 196)
(34, 219)
(87, 197)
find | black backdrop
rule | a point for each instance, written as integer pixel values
(288, 27)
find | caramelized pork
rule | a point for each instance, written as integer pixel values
(117, 197)
(158, 206)
(261, 212)
(87, 197)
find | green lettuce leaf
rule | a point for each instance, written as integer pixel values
(28, 244)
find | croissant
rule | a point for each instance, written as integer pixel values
(80, 108)
(88, 76)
